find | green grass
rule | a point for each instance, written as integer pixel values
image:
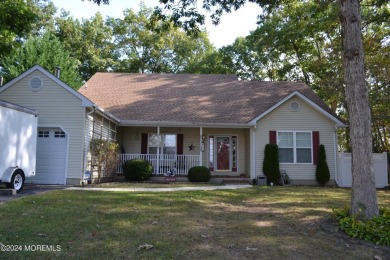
(254, 223)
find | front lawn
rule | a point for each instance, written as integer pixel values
(254, 223)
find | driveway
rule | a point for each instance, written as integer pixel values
(30, 189)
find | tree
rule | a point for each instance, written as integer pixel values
(16, 21)
(364, 199)
(47, 52)
(89, 41)
(363, 202)
(155, 47)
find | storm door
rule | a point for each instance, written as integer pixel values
(223, 153)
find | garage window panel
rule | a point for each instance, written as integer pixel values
(59, 134)
(43, 134)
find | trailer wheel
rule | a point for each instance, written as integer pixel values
(17, 181)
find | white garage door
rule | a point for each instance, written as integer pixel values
(51, 156)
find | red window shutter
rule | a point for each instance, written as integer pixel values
(179, 144)
(272, 137)
(144, 143)
(316, 146)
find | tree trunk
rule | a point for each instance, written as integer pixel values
(364, 202)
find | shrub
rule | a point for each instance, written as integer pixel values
(199, 174)
(104, 157)
(137, 170)
(376, 230)
(271, 163)
(322, 169)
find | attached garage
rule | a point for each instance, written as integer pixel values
(52, 154)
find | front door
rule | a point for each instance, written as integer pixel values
(223, 153)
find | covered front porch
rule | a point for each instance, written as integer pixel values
(173, 150)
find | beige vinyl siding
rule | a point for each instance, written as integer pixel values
(130, 138)
(306, 119)
(56, 107)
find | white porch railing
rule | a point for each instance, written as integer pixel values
(176, 164)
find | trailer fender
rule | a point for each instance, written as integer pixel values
(7, 175)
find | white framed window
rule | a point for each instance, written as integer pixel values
(166, 143)
(59, 134)
(295, 146)
(43, 134)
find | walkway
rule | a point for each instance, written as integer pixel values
(226, 187)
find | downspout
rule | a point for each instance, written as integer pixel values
(335, 144)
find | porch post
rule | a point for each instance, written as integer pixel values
(252, 141)
(158, 150)
(200, 146)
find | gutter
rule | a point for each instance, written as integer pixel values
(182, 124)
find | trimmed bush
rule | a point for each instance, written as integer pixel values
(271, 163)
(199, 174)
(137, 170)
(322, 169)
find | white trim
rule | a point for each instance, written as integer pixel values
(298, 94)
(85, 101)
(67, 146)
(295, 145)
(200, 146)
(252, 149)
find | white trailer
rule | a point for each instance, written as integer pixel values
(18, 143)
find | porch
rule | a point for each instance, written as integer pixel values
(174, 150)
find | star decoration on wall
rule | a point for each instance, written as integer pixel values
(191, 147)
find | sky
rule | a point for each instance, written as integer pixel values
(232, 25)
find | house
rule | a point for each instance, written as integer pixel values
(176, 121)
(62, 125)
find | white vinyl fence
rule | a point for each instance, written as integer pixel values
(380, 169)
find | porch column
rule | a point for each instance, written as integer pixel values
(200, 146)
(252, 143)
(158, 150)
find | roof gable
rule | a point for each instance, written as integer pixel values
(192, 98)
(85, 101)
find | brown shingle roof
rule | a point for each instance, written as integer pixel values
(190, 98)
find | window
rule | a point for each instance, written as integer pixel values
(59, 134)
(43, 134)
(211, 153)
(166, 142)
(295, 147)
